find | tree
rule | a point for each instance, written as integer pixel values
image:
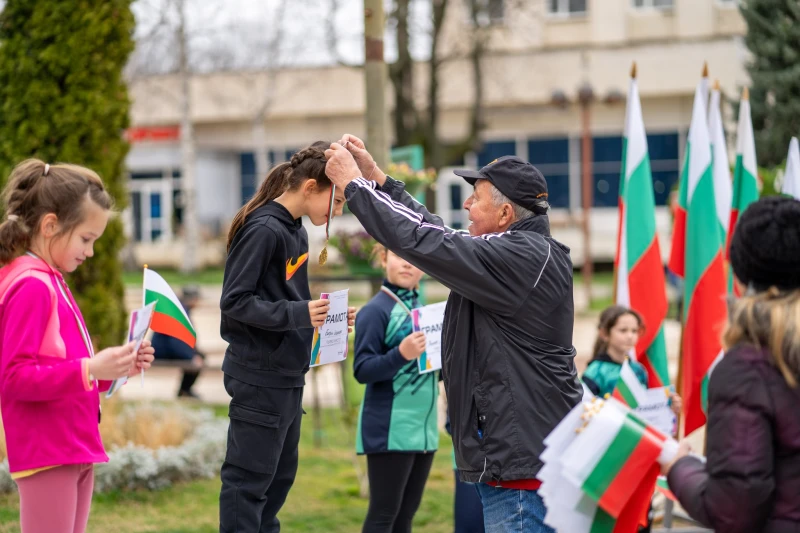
(773, 37)
(64, 100)
(418, 122)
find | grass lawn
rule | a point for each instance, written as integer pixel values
(210, 276)
(324, 498)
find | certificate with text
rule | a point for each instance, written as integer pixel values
(429, 320)
(330, 339)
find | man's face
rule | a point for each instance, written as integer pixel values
(484, 216)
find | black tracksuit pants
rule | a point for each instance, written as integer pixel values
(396, 484)
(261, 461)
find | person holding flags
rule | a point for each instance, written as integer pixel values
(751, 480)
(507, 353)
(50, 375)
(617, 334)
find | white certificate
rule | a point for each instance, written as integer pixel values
(330, 339)
(656, 411)
(429, 320)
(137, 330)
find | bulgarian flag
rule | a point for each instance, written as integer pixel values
(745, 174)
(703, 268)
(599, 476)
(640, 282)
(628, 390)
(791, 178)
(169, 317)
(678, 251)
(722, 173)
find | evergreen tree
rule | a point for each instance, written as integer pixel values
(773, 37)
(64, 99)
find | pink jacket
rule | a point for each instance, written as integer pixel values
(50, 409)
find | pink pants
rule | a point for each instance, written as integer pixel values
(56, 500)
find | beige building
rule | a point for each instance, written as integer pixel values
(538, 49)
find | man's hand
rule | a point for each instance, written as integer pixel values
(366, 164)
(341, 167)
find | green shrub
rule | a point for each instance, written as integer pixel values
(64, 99)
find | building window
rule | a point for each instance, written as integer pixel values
(155, 175)
(493, 149)
(566, 8)
(657, 4)
(551, 157)
(456, 203)
(489, 12)
(664, 164)
(606, 167)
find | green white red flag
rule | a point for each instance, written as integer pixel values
(698, 255)
(169, 317)
(628, 390)
(599, 475)
(745, 173)
(639, 274)
(723, 193)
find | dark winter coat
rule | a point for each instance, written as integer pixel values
(751, 481)
(507, 354)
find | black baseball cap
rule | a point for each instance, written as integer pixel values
(518, 180)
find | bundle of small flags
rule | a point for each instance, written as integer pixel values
(600, 469)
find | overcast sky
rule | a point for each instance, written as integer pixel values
(237, 34)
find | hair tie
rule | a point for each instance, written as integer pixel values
(46, 168)
(13, 218)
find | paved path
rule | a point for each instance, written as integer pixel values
(162, 383)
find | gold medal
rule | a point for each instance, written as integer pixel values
(323, 255)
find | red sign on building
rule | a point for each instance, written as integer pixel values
(152, 133)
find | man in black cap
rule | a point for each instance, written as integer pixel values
(507, 354)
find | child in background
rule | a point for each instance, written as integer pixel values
(617, 335)
(50, 377)
(397, 425)
(268, 320)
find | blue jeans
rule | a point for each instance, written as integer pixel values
(512, 510)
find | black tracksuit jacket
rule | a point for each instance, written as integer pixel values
(508, 358)
(264, 303)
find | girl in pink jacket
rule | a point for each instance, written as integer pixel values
(50, 377)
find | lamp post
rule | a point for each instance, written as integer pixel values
(585, 98)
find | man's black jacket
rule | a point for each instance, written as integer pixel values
(508, 359)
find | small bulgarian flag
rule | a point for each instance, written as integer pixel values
(600, 469)
(629, 390)
(169, 317)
